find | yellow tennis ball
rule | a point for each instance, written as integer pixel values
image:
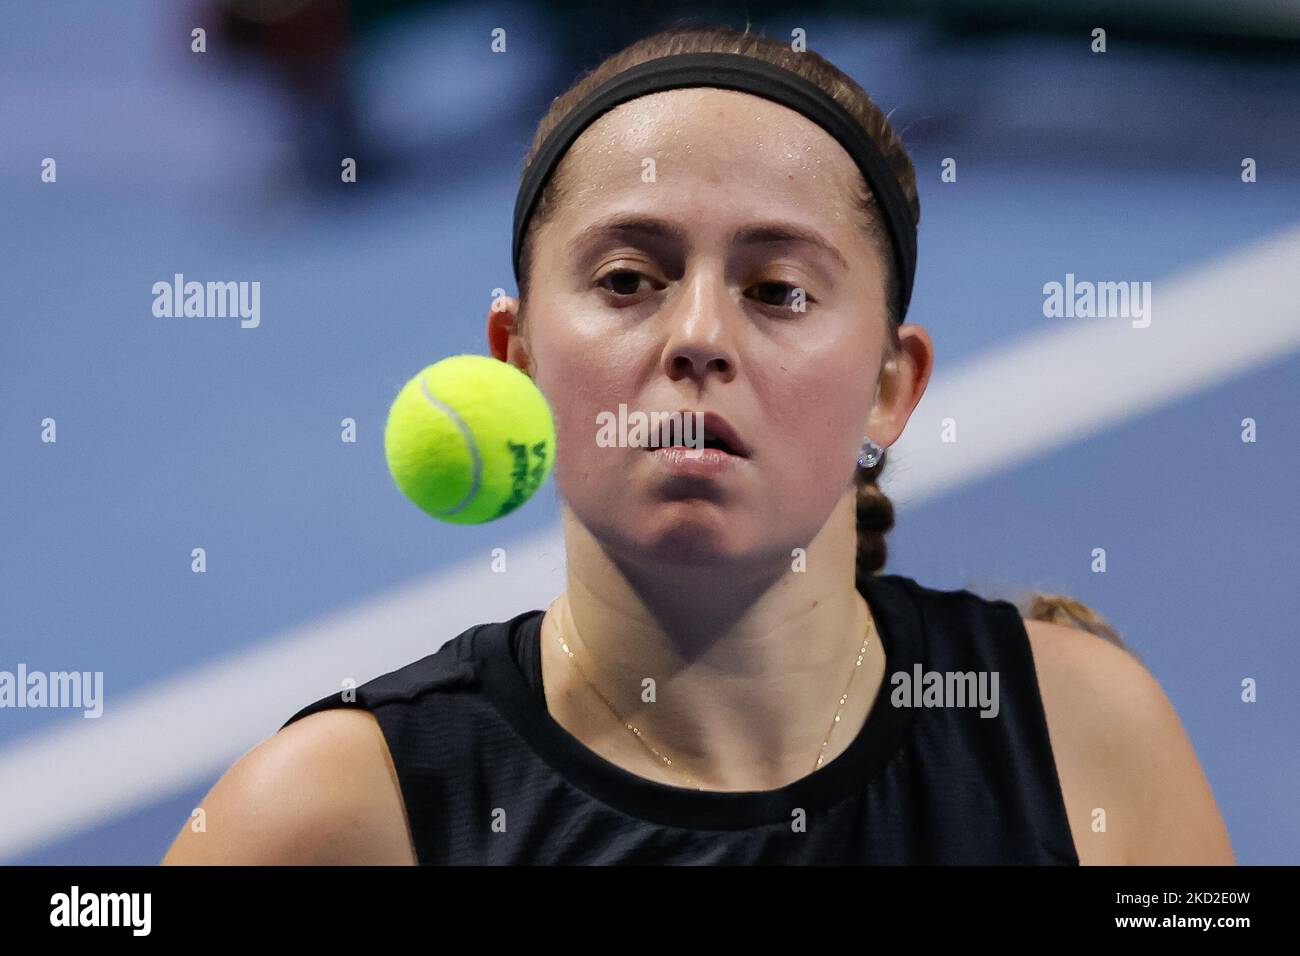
(469, 439)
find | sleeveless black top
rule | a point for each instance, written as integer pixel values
(489, 777)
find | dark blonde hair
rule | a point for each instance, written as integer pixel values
(875, 512)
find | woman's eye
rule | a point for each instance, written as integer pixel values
(776, 293)
(622, 282)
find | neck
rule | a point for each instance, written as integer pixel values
(748, 662)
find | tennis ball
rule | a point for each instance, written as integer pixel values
(469, 439)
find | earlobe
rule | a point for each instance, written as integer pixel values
(505, 339)
(501, 326)
(881, 418)
(901, 383)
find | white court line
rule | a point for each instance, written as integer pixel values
(188, 729)
(1085, 375)
(1077, 378)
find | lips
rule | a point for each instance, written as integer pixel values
(718, 433)
(718, 428)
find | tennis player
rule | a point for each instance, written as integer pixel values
(710, 222)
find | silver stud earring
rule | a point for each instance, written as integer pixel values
(870, 455)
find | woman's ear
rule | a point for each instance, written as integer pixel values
(504, 340)
(901, 384)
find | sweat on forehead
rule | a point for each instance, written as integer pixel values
(851, 126)
(722, 137)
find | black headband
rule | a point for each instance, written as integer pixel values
(732, 71)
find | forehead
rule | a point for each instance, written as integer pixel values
(715, 153)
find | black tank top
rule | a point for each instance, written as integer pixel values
(489, 777)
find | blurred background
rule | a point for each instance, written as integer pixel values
(176, 434)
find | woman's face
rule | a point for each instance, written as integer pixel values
(664, 282)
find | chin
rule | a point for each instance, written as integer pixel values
(683, 545)
(690, 533)
(678, 532)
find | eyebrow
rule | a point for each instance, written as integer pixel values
(638, 224)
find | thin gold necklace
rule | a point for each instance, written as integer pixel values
(821, 753)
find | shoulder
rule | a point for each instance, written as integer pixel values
(323, 790)
(1121, 748)
(399, 694)
(1086, 665)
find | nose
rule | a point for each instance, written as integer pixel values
(701, 323)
